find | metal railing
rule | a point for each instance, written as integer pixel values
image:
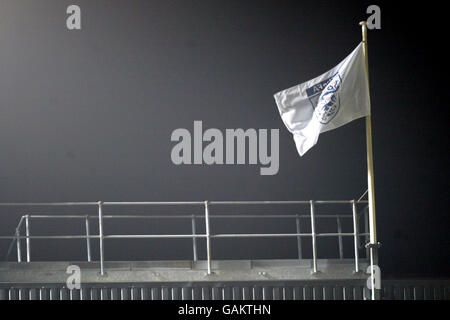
(101, 236)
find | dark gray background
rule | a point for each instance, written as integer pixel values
(87, 115)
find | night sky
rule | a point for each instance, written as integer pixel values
(87, 115)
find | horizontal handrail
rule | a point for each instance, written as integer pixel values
(169, 203)
(50, 237)
(165, 236)
(220, 216)
(13, 204)
(281, 202)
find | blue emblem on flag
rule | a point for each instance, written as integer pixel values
(324, 98)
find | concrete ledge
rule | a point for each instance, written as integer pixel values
(181, 271)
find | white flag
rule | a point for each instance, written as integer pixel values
(327, 102)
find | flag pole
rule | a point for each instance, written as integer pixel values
(373, 245)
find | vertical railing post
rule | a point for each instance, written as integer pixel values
(341, 244)
(299, 238)
(100, 234)
(358, 214)
(19, 252)
(366, 229)
(88, 240)
(27, 233)
(208, 237)
(313, 235)
(355, 237)
(194, 239)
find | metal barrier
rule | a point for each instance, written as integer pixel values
(355, 216)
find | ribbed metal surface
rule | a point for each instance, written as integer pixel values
(392, 290)
(416, 290)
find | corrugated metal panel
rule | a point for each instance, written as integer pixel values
(395, 290)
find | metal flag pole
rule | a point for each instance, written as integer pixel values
(373, 245)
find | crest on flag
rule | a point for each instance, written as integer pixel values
(324, 98)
